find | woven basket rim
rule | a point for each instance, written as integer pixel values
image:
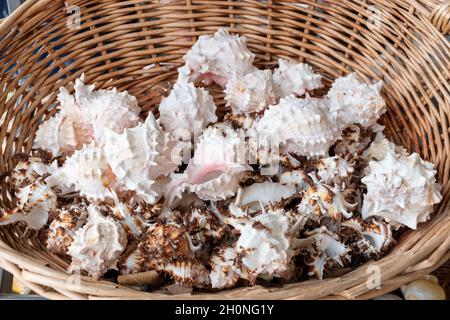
(417, 254)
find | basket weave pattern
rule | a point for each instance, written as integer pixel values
(137, 45)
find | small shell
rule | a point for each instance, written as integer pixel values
(328, 252)
(62, 229)
(218, 58)
(295, 178)
(225, 272)
(97, 246)
(140, 156)
(215, 170)
(354, 141)
(380, 147)
(206, 223)
(423, 289)
(250, 93)
(356, 102)
(186, 108)
(187, 273)
(259, 195)
(28, 170)
(334, 170)
(323, 200)
(88, 172)
(131, 262)
(301, 126)
(295, 78)
(400, 189)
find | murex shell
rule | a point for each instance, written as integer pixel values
(218, 58)
(186, 108)
(356, 102)
(97, 246)
(401, 189)
(295, 78)
(250, 93)
(302, 126)
(140, 156)
(216, 168)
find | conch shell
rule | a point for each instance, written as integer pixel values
(303, 127)
(96, 247)
(356, 102)
(218, 58)
(295, 78)
(401, 189)
(140, 156)
(250, 93)
(186, 108)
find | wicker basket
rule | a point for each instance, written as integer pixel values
(137, 45)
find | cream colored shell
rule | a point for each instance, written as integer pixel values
(380, 147)
(401, 189)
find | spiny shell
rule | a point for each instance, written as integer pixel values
(186, 109)
(250, 93)
(295, 78)
(140, 156)
(34, 203)
(324, 200)
(69, 129)
(187, 273)
(328, 252)
(225, 272)
(356, 102)
(334, 170)
(216, 168)
(131, 262)
(220, 57)
(97, 246)
(354, 141)
(380, 147)
(28, 170)
(88, 172)
(205, 222)
(302, 126)
(62, 229)
(259, 195)
(400, 189)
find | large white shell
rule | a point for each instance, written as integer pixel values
(140, 156)
(295, 78)
(186, 108)
(216, 168)
(401, 189)
(220, 57)
(61, 230)
(302, 126)
(334, 170)
(259, 195)
(356, 102)
(250, 93)
(380, 147)
(97, 246)
(88, 172)
(327, 252)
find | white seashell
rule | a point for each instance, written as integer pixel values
(400, 189)
(380, 147)
(140, 156)
(206, 223)
(34, 201)
(295, 78)
(225, 272)
(29, 170)
(301, 126)
(216, 168)
(260, 195)
(187, 273)
(131, 263)
(186, 108)
(69, 129)
(97, 246)
(62, 229)
(354, 141)
(88, 172)
(334, 170)
(295, 178)
(323, 200)
(218, 58)
(356, 102)
(423, 289)
(328, 252)
(250, 93)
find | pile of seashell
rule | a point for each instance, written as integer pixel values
(285, 186)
